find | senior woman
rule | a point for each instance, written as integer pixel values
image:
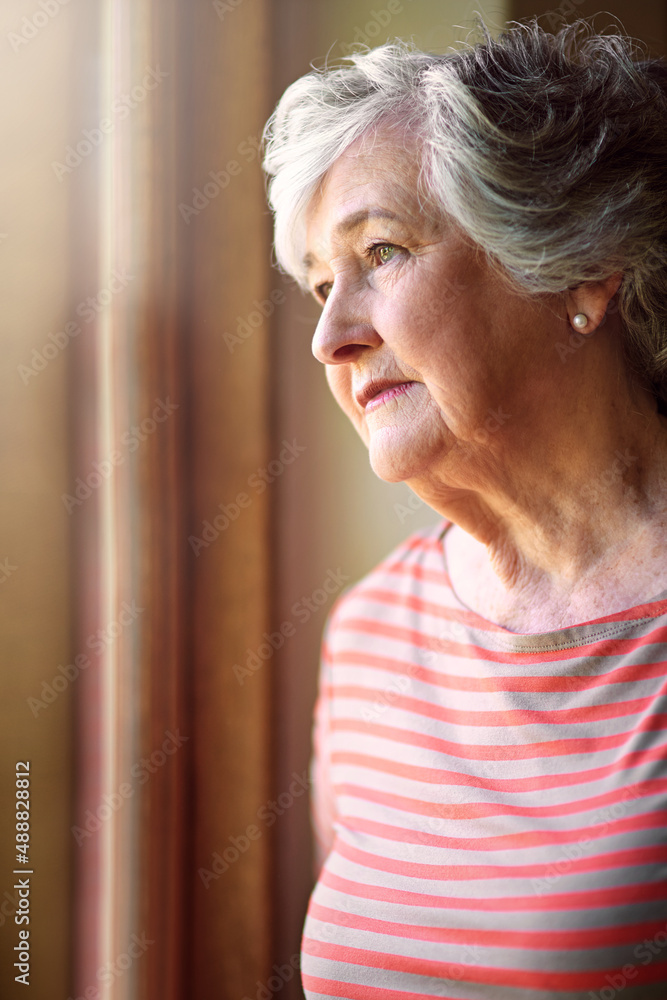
(487, 234)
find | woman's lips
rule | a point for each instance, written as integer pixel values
(384, 395)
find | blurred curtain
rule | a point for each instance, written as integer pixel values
(168, 742)
(128, 422)
(134, 234)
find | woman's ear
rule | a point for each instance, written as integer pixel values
(589, 302)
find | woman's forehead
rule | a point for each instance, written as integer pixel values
(380, 160)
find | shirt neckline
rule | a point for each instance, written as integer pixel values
(603, 627)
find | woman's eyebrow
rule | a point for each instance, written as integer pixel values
(362, 215)
(350, 222)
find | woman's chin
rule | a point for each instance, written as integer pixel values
(393, 462)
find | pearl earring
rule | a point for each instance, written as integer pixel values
(580, 321)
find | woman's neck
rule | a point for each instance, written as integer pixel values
(559, 519)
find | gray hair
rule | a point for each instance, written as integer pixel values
(548, 150)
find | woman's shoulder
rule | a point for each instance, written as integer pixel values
(417, 563)
(422, 547)
(420, 551)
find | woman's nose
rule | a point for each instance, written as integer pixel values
(342, 333)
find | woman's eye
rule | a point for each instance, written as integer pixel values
(323, 290)
(385, 253)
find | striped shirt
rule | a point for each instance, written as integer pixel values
(490, 808)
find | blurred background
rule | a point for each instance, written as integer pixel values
(180, 500)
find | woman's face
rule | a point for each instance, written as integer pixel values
(426, 351)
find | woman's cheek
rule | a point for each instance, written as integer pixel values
(415, 338)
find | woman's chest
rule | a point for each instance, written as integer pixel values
(523, 787)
